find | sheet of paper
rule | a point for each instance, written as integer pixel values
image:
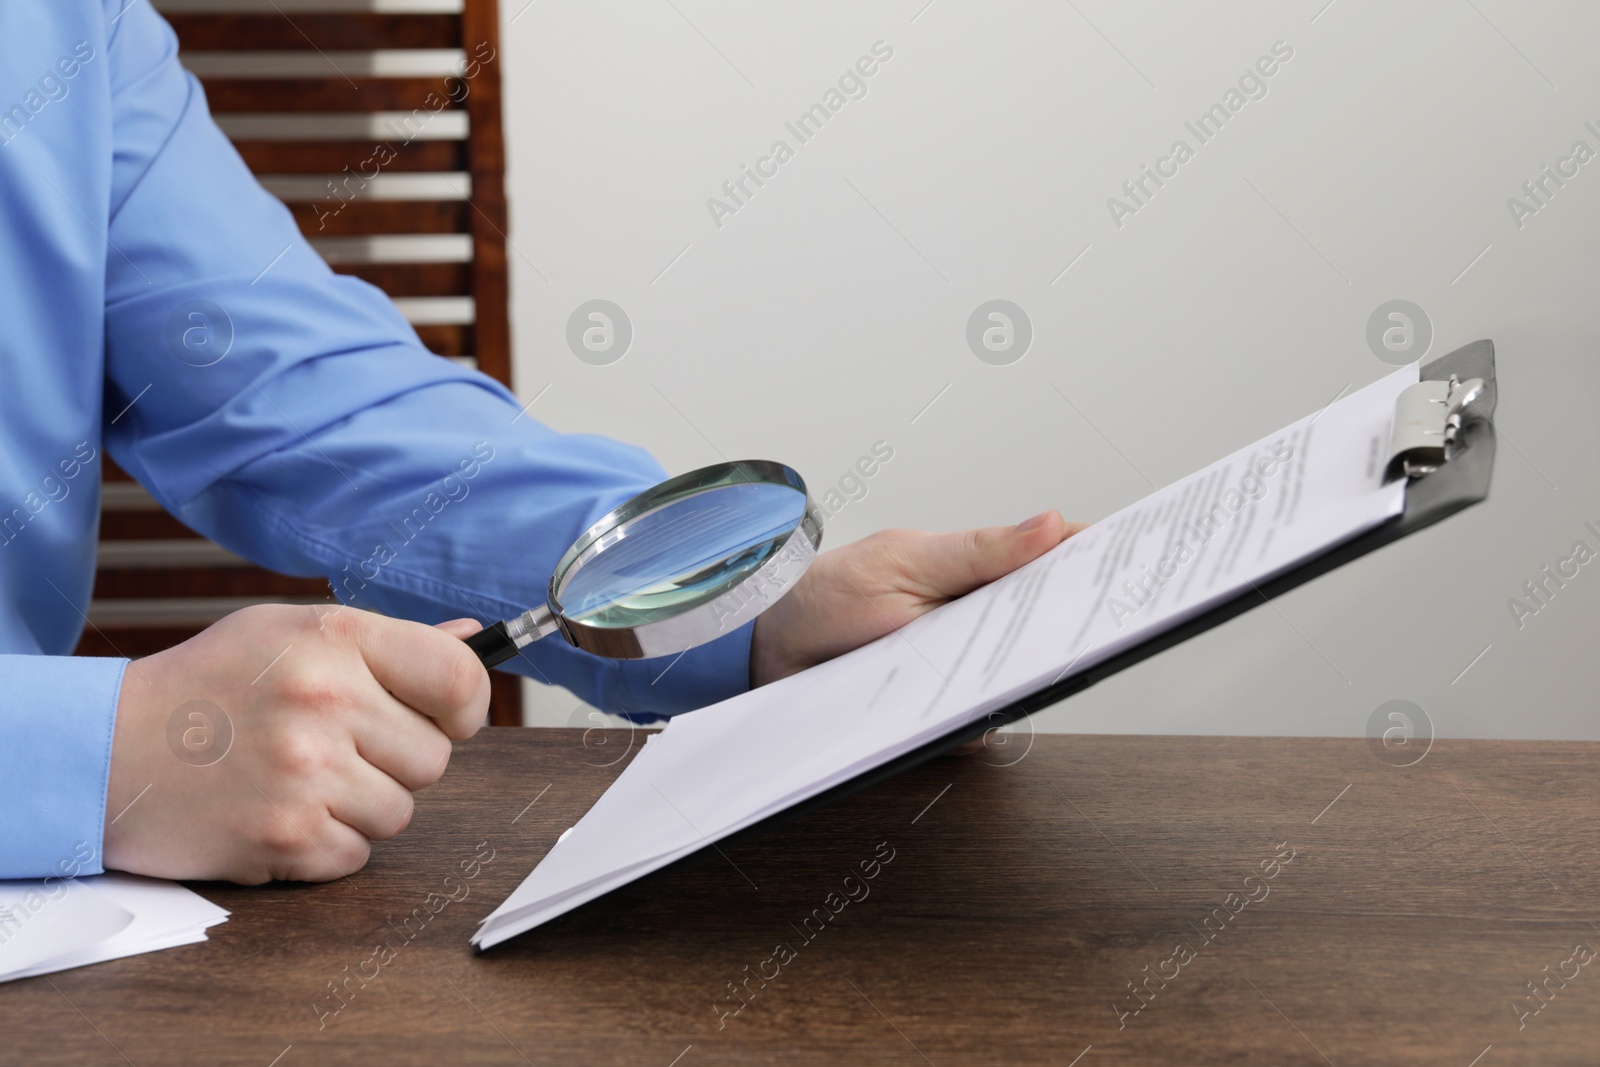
(42, 920)
(1152, 565)
(77, 921)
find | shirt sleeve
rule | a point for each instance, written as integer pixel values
(292, 414)
(53, 787)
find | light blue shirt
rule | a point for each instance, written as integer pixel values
(135, 247)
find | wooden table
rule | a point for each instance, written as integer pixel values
(1019, 904)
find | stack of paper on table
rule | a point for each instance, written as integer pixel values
(59, 923)
(1152, 565)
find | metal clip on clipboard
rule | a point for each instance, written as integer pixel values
(1427, 421)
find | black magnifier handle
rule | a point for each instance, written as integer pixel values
(493, 645)
(498, 643)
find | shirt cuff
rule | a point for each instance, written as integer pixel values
(59, 713)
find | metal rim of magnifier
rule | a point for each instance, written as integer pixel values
(759, 589)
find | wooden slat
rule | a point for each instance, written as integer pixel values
(202, 582)
(331, 32)
(162, 552)
(331, 94)
(491, 339)
(355, 218)
(332, 157)
(445, 340)
(133, 641)
(412, 279)
(142, 526)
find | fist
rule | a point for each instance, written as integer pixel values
(331, 718)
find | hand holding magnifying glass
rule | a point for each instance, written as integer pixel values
(676, 566)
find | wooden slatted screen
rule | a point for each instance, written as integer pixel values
(394, 167)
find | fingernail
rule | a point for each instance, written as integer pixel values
(1033, 523)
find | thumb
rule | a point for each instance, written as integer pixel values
(462, 628)
(957, 563)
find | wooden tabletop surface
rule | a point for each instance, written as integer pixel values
(1274, 901)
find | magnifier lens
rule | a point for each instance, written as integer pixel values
(679, 554)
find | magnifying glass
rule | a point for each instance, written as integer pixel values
(677, 566)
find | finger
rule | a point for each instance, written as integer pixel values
(423, 666)
(370, 802)
(954, 564)
(459, 628)
(302, 842)
(1047, 521)
(404, 744)
(336, 850)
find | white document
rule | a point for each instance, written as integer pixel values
(1156, 563)
(54, 925)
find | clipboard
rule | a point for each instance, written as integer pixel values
(1455, 478)
(1442, 443)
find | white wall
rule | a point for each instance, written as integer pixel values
(830, 310)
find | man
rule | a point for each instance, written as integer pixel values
(126, 223)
